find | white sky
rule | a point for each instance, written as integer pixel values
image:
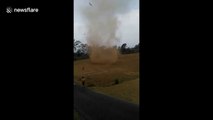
(129, 23)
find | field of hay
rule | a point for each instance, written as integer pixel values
(100, 75)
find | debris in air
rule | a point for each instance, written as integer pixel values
(90, 4)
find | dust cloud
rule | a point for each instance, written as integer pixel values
(102, 25)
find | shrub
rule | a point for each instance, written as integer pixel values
(116, 81)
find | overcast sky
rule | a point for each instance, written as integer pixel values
(129, 23)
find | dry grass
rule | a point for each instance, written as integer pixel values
(128, 91)
(126, 68)
(76, 115)
(102, 77)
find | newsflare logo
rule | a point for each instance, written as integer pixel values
(9, 10)
(19, 10)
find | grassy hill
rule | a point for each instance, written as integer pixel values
(126, 68)
(128, 91)
(102, 78)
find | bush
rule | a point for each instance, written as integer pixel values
(116, 81)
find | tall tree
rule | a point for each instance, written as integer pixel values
(76, 45)
(123, 48)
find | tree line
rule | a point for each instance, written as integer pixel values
(81, 50)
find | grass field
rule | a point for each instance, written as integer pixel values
(126, 68)
(128, 90)
(101, 78)
(76, 115)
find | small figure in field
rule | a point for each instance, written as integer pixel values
(83, 80)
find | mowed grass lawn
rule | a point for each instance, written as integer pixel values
(102, 78)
